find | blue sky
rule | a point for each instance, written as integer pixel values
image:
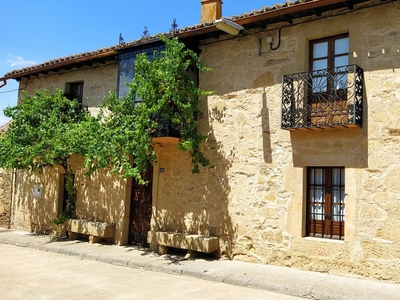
(37, 31)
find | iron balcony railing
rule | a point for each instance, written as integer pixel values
(167, 129)
(323, 98)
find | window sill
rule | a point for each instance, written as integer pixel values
(332, 240)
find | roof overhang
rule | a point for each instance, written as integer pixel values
(271, 15)
(69, 62)
(192, 35)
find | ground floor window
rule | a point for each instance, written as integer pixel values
(325, 202)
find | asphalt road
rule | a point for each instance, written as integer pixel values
(31, 274)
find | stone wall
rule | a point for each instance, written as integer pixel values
(254, 197)
(5, 196)
(101, 197)
(97, 83)
(35, 212)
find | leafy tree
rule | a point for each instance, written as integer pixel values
(42, 133)
(168, 95)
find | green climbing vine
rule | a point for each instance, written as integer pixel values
(70, 188)
(165, 94)
(43, 133)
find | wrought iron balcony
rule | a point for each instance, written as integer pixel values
(167, 129)
(323, 98)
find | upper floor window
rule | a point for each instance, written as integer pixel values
(329, 94)
(126, 67)
(74, 91)
(325, 202)
(329, 52)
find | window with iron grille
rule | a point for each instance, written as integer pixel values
(325, 202)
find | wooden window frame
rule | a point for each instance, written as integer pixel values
(327, 112)
(331, 50)
(322, 223)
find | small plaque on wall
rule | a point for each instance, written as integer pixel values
(162, 170)
(37, 191)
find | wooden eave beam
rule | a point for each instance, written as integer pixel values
(214, 35)
(261, 24)
(288, 19)
(349, 4)
(317, 12)
(271, 14)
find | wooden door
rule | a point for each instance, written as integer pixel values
(140, 215)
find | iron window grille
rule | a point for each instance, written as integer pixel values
(325, 202)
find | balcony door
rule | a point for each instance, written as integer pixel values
(327, 98)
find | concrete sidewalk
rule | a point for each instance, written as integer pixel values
(284, 280)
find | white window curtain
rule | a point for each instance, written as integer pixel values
(318, 194)
(337, 195)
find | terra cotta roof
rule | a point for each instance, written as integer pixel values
(266, 12)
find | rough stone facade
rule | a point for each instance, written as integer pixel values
(5, 197)
(97, 83)
(101, 197)
(5, 189)
(36, 212)
(254, 197)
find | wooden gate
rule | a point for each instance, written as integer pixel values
(140, 215)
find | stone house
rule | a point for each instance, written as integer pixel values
(303, 137)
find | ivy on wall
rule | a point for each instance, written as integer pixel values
(125, 128)
(48, 128)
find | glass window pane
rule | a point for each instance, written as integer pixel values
(341, 60)
(320, 64)
(126, 74)
(338, 213)
(341, 81)
(337, 176)
(317, 195)
(317, 211)
(320, 50)
(123, 88)
(338, 196)
(317, 176)
(320, 84)
(342, 45)
(127, 67)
